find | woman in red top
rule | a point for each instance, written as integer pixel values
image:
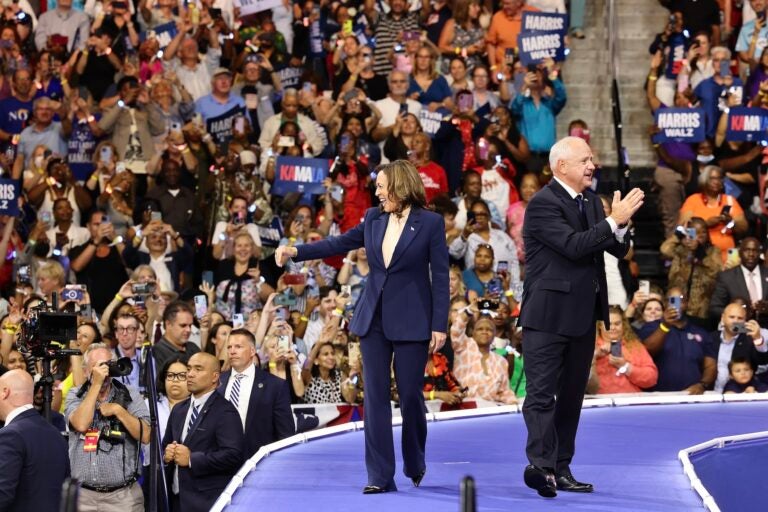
(629, 370)
(354, 178)
(432, 175)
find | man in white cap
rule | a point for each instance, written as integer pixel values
(221, 109)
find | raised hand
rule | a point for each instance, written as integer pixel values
(623, 209)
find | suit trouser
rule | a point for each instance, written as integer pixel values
(410, 359)
(556, 371)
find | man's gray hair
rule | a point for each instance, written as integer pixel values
(561, 150)
(395, 72)
(725, 52)
(93, 347)
(290, 92)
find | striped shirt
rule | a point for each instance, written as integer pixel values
(386, 31)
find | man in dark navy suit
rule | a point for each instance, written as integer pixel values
(748, 281)
(203, 441)
(33, 455)
(565, 233)
(262, 400)
(403, 311)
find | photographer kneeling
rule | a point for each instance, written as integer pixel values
(107, 419)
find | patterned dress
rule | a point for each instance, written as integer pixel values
(321, 391)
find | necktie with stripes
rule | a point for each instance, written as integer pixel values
(234, 394)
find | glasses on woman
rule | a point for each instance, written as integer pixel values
(179, 377)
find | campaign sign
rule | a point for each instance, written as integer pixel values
(164, 34)
(9, 197)
(747, 124)
(431, 121)
(537, 46)
(544, 22)
(248, 7)
(303, 175)
(679, 125)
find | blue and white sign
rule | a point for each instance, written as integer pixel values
(537, 46)
(747, 124)
(9, 197)
(544, 22)
(303, 175)
(680, 125)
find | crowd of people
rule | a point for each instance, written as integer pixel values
(145, 138)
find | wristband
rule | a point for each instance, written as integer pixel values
(338, 312)
(90, 118)
(663, 327)
(272, 364)
(494, 67)
(509, 293)
(457, 50)
(432, 395)
(119, 297)
(64, 81)
(303, 318)
(652, 78)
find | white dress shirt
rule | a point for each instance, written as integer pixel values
(200, 402)
(758, 284)
(246, 385)
(12, 415)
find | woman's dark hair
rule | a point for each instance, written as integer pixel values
(95, 328)
(115, 313)
(164, 372)
(443, 205)
(316, 367)
(348, 117)
(460, 59)
(481, 202)
(209, 347)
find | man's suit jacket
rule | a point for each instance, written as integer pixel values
(34, 463)
(729, 285)
(269, 416)
(564, 263)
(744, 348)
(216, 445)
(412, 304)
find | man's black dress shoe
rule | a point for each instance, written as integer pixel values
(374, 489)
(541, 480)
(417, 479)
(566, 482)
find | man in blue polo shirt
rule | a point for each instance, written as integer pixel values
(220, 108)
(683, 352)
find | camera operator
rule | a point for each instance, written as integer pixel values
(739, 338)
(108, 420)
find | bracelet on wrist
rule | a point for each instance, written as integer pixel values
(303, 318)
(663, 327)
(338, 312)
(118, 297)
(432, 395)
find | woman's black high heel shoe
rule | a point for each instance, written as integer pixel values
(417, 479)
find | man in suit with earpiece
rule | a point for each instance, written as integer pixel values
(263, 401)
(203, 441)
(565, 292)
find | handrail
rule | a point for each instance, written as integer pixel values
(622, 159)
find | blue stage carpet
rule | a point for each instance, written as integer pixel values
(629, 453)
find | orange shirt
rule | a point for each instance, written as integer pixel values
(643, 375)
(504, 30)
(695, 206)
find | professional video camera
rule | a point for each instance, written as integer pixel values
(45, 335)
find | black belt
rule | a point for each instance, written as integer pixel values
(105, 488)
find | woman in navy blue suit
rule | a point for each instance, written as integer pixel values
(402, 311)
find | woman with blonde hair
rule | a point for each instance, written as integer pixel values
(51, 279)
(622, 363)
(427, 86)
(401, 312)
